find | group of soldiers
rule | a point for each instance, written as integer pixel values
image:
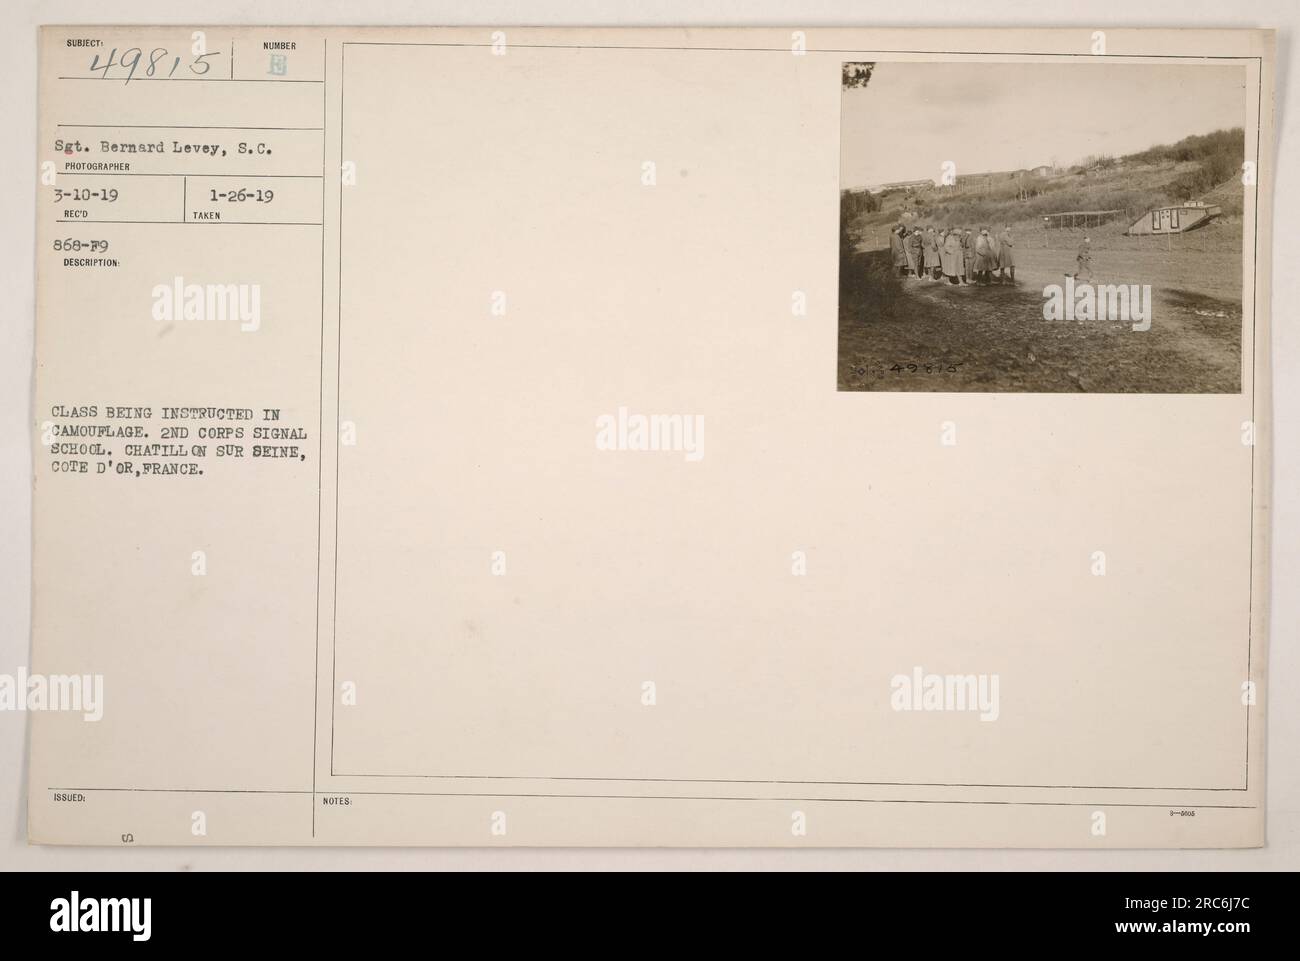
(954, 253)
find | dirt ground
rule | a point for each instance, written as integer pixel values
(911, 334)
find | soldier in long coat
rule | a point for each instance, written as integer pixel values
(932, 265)
(968, 256)
(985, 259)
(912, 244)
(952, 256)
(1006, 255)
(896, 250)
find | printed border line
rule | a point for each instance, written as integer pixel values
(320, 435)
(668, 797)
(338, 410)
(1259, 61)
(1254, 393)
(810, 50)
(190, 79)
(710, 780)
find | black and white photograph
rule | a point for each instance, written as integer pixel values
(1042, 227)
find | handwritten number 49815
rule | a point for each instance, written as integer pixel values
(936, 368)
(160, 60)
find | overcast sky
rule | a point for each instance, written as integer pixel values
(1001, 116)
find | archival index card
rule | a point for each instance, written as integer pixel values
(651, 437)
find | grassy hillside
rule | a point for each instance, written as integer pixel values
(1216, 157)
(1159, 175)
